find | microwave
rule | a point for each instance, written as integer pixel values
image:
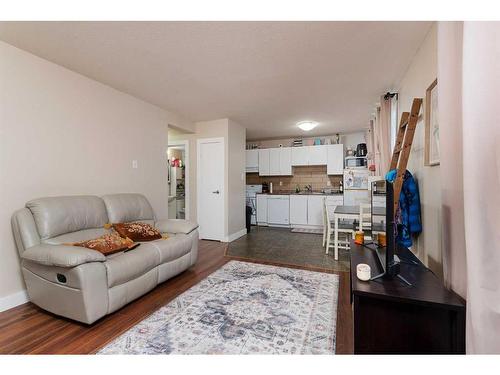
(356, 162)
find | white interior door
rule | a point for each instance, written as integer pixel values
(211, 188)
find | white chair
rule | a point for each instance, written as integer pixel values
(343, 228)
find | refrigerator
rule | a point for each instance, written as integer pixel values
(356, 186)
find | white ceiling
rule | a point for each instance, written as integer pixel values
(264, 75)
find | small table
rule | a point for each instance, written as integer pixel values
(391, 317)
(349, 212)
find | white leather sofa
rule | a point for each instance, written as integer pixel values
(83, 284)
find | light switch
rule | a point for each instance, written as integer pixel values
(134, 164)
(328, 183)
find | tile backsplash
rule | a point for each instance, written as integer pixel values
(302, 176)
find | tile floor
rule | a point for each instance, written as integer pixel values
(279, 245)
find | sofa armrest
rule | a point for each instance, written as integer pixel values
(176, 226)
(62, 255)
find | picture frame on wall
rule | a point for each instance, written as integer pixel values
(431, 152)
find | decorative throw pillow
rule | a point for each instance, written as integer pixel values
(108, 244)
(138, 232)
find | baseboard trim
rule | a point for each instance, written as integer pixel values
(235, 236)
(13, 300)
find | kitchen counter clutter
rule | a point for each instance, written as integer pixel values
(294, 210)
(285, 192)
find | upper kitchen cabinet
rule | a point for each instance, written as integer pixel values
(252, 161)
(264, 162)
(317, 155)
(335, 162)
(274, 162)
(300, 156)
(285, 161)
(309, 155)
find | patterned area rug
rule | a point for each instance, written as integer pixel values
(242, 308)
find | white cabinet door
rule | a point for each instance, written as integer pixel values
(278, 210)
(252, 160)
(315, 209)
(300, 156)
(285, 161)
(335, 162)
(261, 208)
(317, 155)
(298, 209)
(264, 162)
(274, 161)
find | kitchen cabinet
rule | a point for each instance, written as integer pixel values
(335, 159)
(261, 208)
(300, 156)
(317, 154)
(252, 161)
(315, 209)
(264, 162)
(285, 161)
(274, 162)
(278, 210)
(298, 209)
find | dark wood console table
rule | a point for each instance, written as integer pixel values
(391, 317)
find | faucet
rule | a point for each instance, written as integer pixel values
(308, 188)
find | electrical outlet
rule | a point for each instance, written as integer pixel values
(328, 183)
(281, 183)
(134, 164)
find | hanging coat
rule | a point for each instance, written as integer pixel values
(408, 217)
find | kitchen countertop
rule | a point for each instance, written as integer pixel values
(286, 192)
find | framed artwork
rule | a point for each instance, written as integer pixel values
(431, 125)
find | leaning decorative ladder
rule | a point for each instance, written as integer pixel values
(402, 148)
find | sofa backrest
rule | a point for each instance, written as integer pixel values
(55, 216)
(123, 208)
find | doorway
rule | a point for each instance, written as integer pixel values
(211, 192)
(178, 180)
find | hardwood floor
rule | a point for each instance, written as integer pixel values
(26, 329)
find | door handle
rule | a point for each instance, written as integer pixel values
(216, 192)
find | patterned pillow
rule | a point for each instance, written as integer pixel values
(108, 244)
(137, 232)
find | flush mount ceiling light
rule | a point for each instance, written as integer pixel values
(307, 125)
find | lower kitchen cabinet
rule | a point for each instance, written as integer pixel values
(298, 210)
(315, 209)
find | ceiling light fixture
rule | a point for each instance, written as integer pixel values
(307, 125)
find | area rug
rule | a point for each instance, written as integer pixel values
(242, 308)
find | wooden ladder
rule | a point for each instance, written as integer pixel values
(402, 148)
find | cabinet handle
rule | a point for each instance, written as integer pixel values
(215, 192)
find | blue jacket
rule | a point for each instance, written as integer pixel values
(408, 215)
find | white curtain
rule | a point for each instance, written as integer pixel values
(469, 94)
(382, 137)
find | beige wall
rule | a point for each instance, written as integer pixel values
(236, 177)
(420, 74)
(64, 134)
(234, 166)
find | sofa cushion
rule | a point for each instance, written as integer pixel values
(107, 244)
(172, 248)
(58, 215)
(123, 208)
(123, 267)
(137, 231)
